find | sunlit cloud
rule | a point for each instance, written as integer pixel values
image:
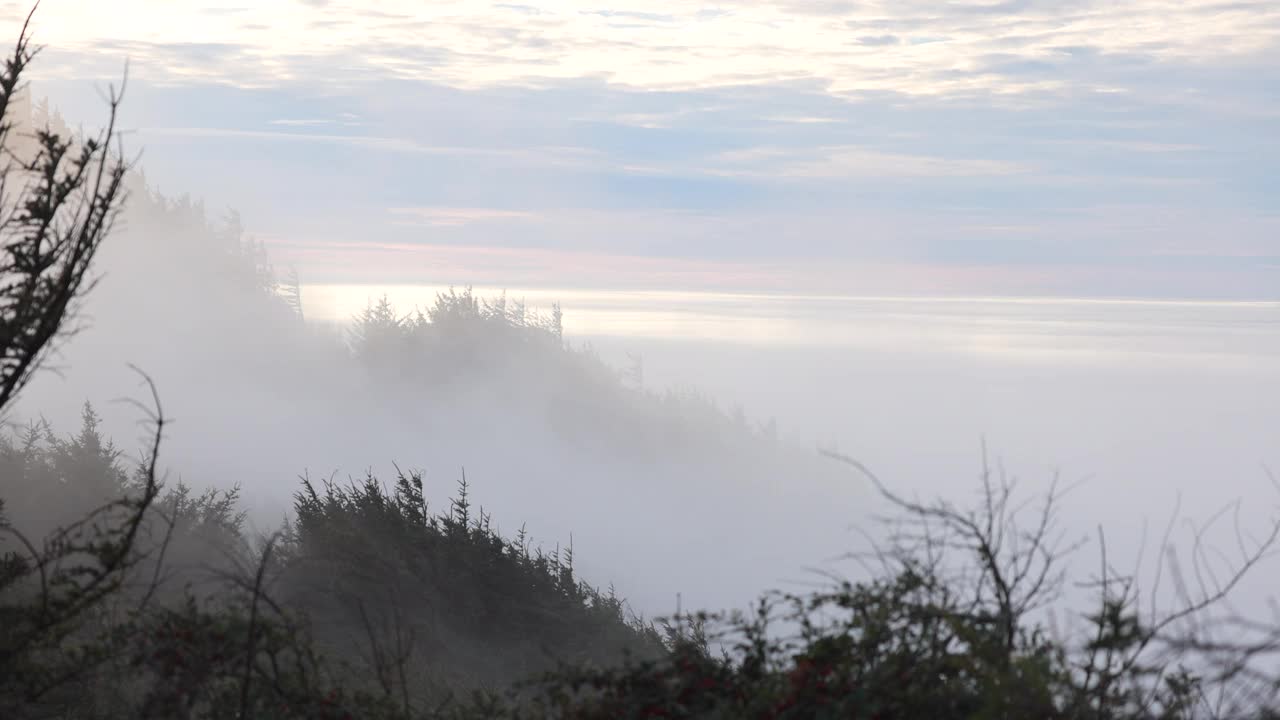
(455, 217)
(853, 161)
(911, 47)
(1036, 141)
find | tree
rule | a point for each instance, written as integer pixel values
(291, 290)
(58, 199)
(57, 203)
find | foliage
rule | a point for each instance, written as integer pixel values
(943, 627)
(67, 196)
(159, 599)
(371, 604)
(475, 608)
(460, 333)
(505, 349)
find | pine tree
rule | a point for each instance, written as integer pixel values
(291, 291)
(69, 193)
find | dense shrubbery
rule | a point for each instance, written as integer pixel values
(369, 604)
(382, 580)
(479, 609)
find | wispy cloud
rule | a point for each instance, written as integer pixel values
(1043, 138)
(906, 46)
(455, 217)
(851, 161)
(541, 155)
(348, 121)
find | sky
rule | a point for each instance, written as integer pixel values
(966, 147)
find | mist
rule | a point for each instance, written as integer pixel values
(1138, 403)
(693, 343)
(285, 398)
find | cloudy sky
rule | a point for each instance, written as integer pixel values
(1060, 147)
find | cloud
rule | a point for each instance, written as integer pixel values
(906, 46)
(455, 217)
(855, 162)
(543, 155)
(633, 15)
(879, 40)
(715, 174)
(876, 132)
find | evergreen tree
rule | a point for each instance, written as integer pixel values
(69, 194)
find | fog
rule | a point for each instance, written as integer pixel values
(1139, 403)
(258, 398)
(791, 359)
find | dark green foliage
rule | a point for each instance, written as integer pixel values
(480, 610)
(61, 197)
(901, 647)
(57, 597)
(163, 592)
(51, 481)
(370, 604)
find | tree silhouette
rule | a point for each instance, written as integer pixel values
(57, 202)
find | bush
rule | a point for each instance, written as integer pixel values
(370, 604)
(158, 599)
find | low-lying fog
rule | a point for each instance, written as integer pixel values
(1142, 402)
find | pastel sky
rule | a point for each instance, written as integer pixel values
(980, 147)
